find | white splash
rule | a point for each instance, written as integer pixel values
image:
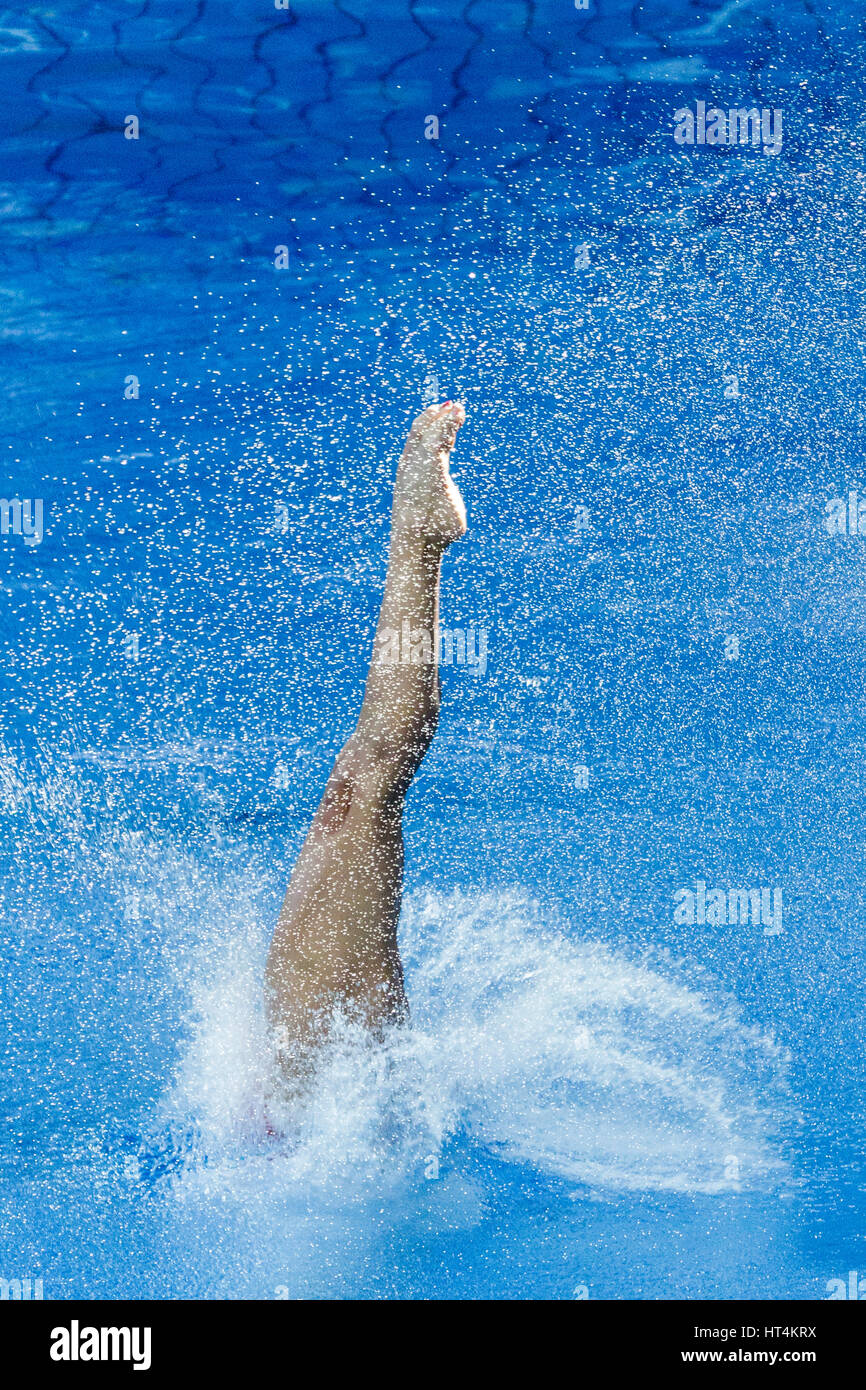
(544, 1051)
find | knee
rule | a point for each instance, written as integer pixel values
(385, 760)
(337, 801)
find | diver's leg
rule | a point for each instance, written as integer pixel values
(335, 940)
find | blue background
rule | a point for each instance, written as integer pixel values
(152, 807)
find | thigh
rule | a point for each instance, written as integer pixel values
(336, 939)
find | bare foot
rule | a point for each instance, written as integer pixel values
(426, 501)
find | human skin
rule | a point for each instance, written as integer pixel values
(335, 943)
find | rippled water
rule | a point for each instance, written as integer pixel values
(594, 1099)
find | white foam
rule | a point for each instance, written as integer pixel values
(544, 1050)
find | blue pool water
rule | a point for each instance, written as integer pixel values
(661, 350)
